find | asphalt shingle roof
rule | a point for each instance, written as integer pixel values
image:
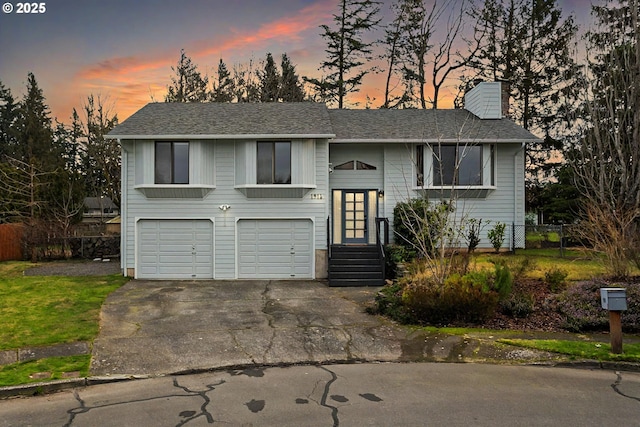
(226, 120)
(229, 120)
(423, 125)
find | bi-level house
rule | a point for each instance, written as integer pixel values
(299, 191)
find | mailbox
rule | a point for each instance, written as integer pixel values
(613, 299)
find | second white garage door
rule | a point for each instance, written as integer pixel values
(275, 249)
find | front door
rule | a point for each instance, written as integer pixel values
(354, 211)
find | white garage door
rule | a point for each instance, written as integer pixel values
(275, 249)
(175, 249)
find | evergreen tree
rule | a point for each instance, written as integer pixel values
(8, 115)
(33, 126)
(530, 47)
(269, 81)
(290, 87)
(347, 50)
(224, 87)
(188, 85)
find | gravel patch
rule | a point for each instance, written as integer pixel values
(75, 268)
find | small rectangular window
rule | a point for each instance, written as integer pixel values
(172, 163)
(274, 163)
(420, 165)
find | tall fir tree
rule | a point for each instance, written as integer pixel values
(290, 86)
(269, 81)
(530, 46)
(224, 86)
(347, 50)
(187, 85)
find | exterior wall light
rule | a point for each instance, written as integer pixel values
(224, 208)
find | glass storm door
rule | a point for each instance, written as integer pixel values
(354, 211)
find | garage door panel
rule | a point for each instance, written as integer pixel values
(166, 249)
(265, 249)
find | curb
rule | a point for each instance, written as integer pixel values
(35, 389)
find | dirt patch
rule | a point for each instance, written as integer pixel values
(75, 268)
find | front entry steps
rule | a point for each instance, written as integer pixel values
(359, 265)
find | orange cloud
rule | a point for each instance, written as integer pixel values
(286, 28)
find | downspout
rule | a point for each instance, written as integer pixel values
(515, 193)
(123, 212)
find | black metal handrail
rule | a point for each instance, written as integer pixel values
(329, 237)
(381, 244)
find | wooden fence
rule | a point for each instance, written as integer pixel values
(11, 242)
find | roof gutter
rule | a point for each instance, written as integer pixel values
(433, 141)
(192, 137)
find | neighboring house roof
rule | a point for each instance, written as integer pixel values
(99, 203)
(227, 121)
(391, 125)
(313, 120)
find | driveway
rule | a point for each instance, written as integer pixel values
(164, 327)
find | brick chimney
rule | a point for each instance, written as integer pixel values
(505, 89)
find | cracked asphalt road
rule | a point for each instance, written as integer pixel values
(348, 395)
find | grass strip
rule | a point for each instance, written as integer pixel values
(580, 349)
(52, 368)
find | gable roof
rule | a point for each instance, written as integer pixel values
(99, 203)
(391, 125)
(313, 120)
(226, 121)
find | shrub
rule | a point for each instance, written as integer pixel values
(473, 234)
(503, 281)
(496, 236)
(580, 305)
(419, 225)
(556, 279)
(388, 302)
(468, 299)
(518, 305)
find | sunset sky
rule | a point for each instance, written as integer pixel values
(124, 50)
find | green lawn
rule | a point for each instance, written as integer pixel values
(579, 264)
(43, 310)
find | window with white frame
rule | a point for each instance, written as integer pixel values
(172, 163)
(452, 165)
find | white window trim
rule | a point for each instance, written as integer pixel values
(489, 170)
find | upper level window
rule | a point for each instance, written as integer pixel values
(172, 163)
(457, 165)
(274, 163)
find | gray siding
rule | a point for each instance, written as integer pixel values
(504, 203)
(372, 154)
(218, 165)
